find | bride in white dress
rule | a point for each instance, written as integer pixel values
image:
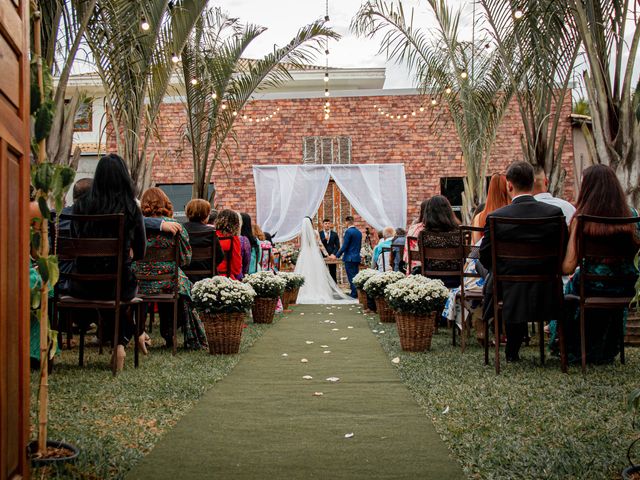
(319, 287)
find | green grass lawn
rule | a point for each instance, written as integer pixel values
(115, 421)
(530, 422)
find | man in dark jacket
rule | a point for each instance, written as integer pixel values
(331, 242)
(351, 245)
(522, 302)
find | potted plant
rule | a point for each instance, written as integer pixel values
(633, 472)
(375, 286)
(417, 301)
(294, 282)
(222, 304)
(359, 280)
(268, 287)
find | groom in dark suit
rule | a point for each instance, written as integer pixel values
(523, 302)
(331, 243)
(351, 245)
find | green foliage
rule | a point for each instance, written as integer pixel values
(214, 56)
(581, 107)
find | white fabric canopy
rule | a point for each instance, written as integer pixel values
(285, 194)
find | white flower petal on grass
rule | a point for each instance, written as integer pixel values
(396, 360)
(330, 313)
(327, 321)
(335, 329)
(446, 410)
(317, 394)
(349, 435)
(307, 377)
(327, 351)
(301, 313)
(303, 360)
(333, 379)
(309, 342)
(285, 354)
(350, 326)
(374, 331)
(344, 338)
(324, 346)
(332, 321)
(381, 331)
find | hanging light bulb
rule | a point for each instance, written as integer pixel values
(327, 104)
(214, 95)
(463, 75)
(251, 119)
(144, 25)
(413, 114)
(326, 78)
(386, 114)
(278, 109)
(326, 92)
(234, 113)
(244, 117)
(422, 109)
(224, 106)
(434, 102)
(448, 90)
(194, 81)
(518, 14)
(326, 116)
(175, 58)
(404, 116)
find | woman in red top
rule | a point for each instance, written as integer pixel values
(228, 225)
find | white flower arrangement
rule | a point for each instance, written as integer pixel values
(220, 294)
(417, 294)
(266, 284)
(294, 280)
(377, 283)
(363, 275)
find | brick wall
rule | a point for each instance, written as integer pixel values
(427, 143)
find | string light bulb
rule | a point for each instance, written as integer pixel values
(422, 109)
(326, 92)
(518, 14)
(234, 113)
(175, 58)
(434, 102)
(464, 75)
(194, 81)
(144, 25)
(326, 78)
(214, 95)
(448, 90)
(223, 106)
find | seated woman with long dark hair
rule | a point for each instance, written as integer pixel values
(441, 231)
(600, 195)
(156, 204)
(111, 192)
(254, 256)
(228, 232)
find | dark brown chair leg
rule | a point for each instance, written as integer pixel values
(150, 307)
(463, 328)
(69, 325)
(563, 351)
(496, 321)
(136, 322)
(453, 333)
(541, 332)
(116, 335)
(622, 359)
(583, 343)
(486, 342)
(175, 326)
(81, 354)
(100, 332)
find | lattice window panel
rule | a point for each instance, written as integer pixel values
(326, 150)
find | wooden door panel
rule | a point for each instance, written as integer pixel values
(14, 238)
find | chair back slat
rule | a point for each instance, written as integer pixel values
(168, 253)
(451, 254)
(202, 253)
(69, 247)
(413, 255)
(385, 253)
(522, 250)
(469, 249)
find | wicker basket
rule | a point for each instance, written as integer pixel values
(387, 315)
(415, 331)
(224, 331)
(285, 300)
(263, 309)
(293, 296)
(362, 297)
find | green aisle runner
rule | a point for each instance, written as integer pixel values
(263, 421)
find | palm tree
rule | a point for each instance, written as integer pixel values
(133, 43)
(63, 25)
(610, 37)
(464, 74)
(219, 83)
(538, 44)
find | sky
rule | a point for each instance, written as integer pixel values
(284, 17)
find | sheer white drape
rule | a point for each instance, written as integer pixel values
(377, 192)
(287, 193)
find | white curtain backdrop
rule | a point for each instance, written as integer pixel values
(285, 194)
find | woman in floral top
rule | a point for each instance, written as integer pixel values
(155, 203)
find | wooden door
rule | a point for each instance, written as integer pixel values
(14, 238)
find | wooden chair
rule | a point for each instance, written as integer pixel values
(72, 249)
(386, 251)
(203, 253)
(551, 252)
(396, 250)
(267, 251)
(412, 255)
(469, 251)
(594, 250)
(448, 254)
(155, 255)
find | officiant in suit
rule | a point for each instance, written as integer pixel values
(523, 302)
(351, 245)
(331, 243)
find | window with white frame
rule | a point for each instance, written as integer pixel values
(326, 150)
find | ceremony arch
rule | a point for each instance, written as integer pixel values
(285, 194)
